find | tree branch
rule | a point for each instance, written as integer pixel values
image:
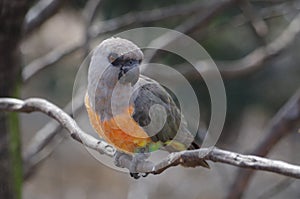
(41, 105)
(39, 13)
(47, 60)
(192, 159)
(254, 60)
(184, 158)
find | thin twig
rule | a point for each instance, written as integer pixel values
(39, 13)
(47, 60)
(284, 123)
(184, 158)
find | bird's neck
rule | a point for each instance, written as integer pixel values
(107, 96)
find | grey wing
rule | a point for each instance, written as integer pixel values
(162, 123)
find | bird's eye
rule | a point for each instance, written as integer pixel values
(115, 60)
(132, 62)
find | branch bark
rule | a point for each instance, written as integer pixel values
(184, 158)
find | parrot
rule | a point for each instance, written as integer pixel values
(130, 111)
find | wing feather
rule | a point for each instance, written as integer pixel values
(148, 94)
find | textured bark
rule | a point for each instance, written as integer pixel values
(12, 13)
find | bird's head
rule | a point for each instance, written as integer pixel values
(117, 59)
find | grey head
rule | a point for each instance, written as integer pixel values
(115, 60)
(118, 58)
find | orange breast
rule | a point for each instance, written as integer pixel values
(121, 131)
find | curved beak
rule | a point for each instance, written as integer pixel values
(129, 73)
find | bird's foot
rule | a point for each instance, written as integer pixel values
(137, 158)
(119, 157)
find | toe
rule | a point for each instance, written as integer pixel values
(135, 175)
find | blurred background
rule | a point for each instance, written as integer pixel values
(255, 44)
